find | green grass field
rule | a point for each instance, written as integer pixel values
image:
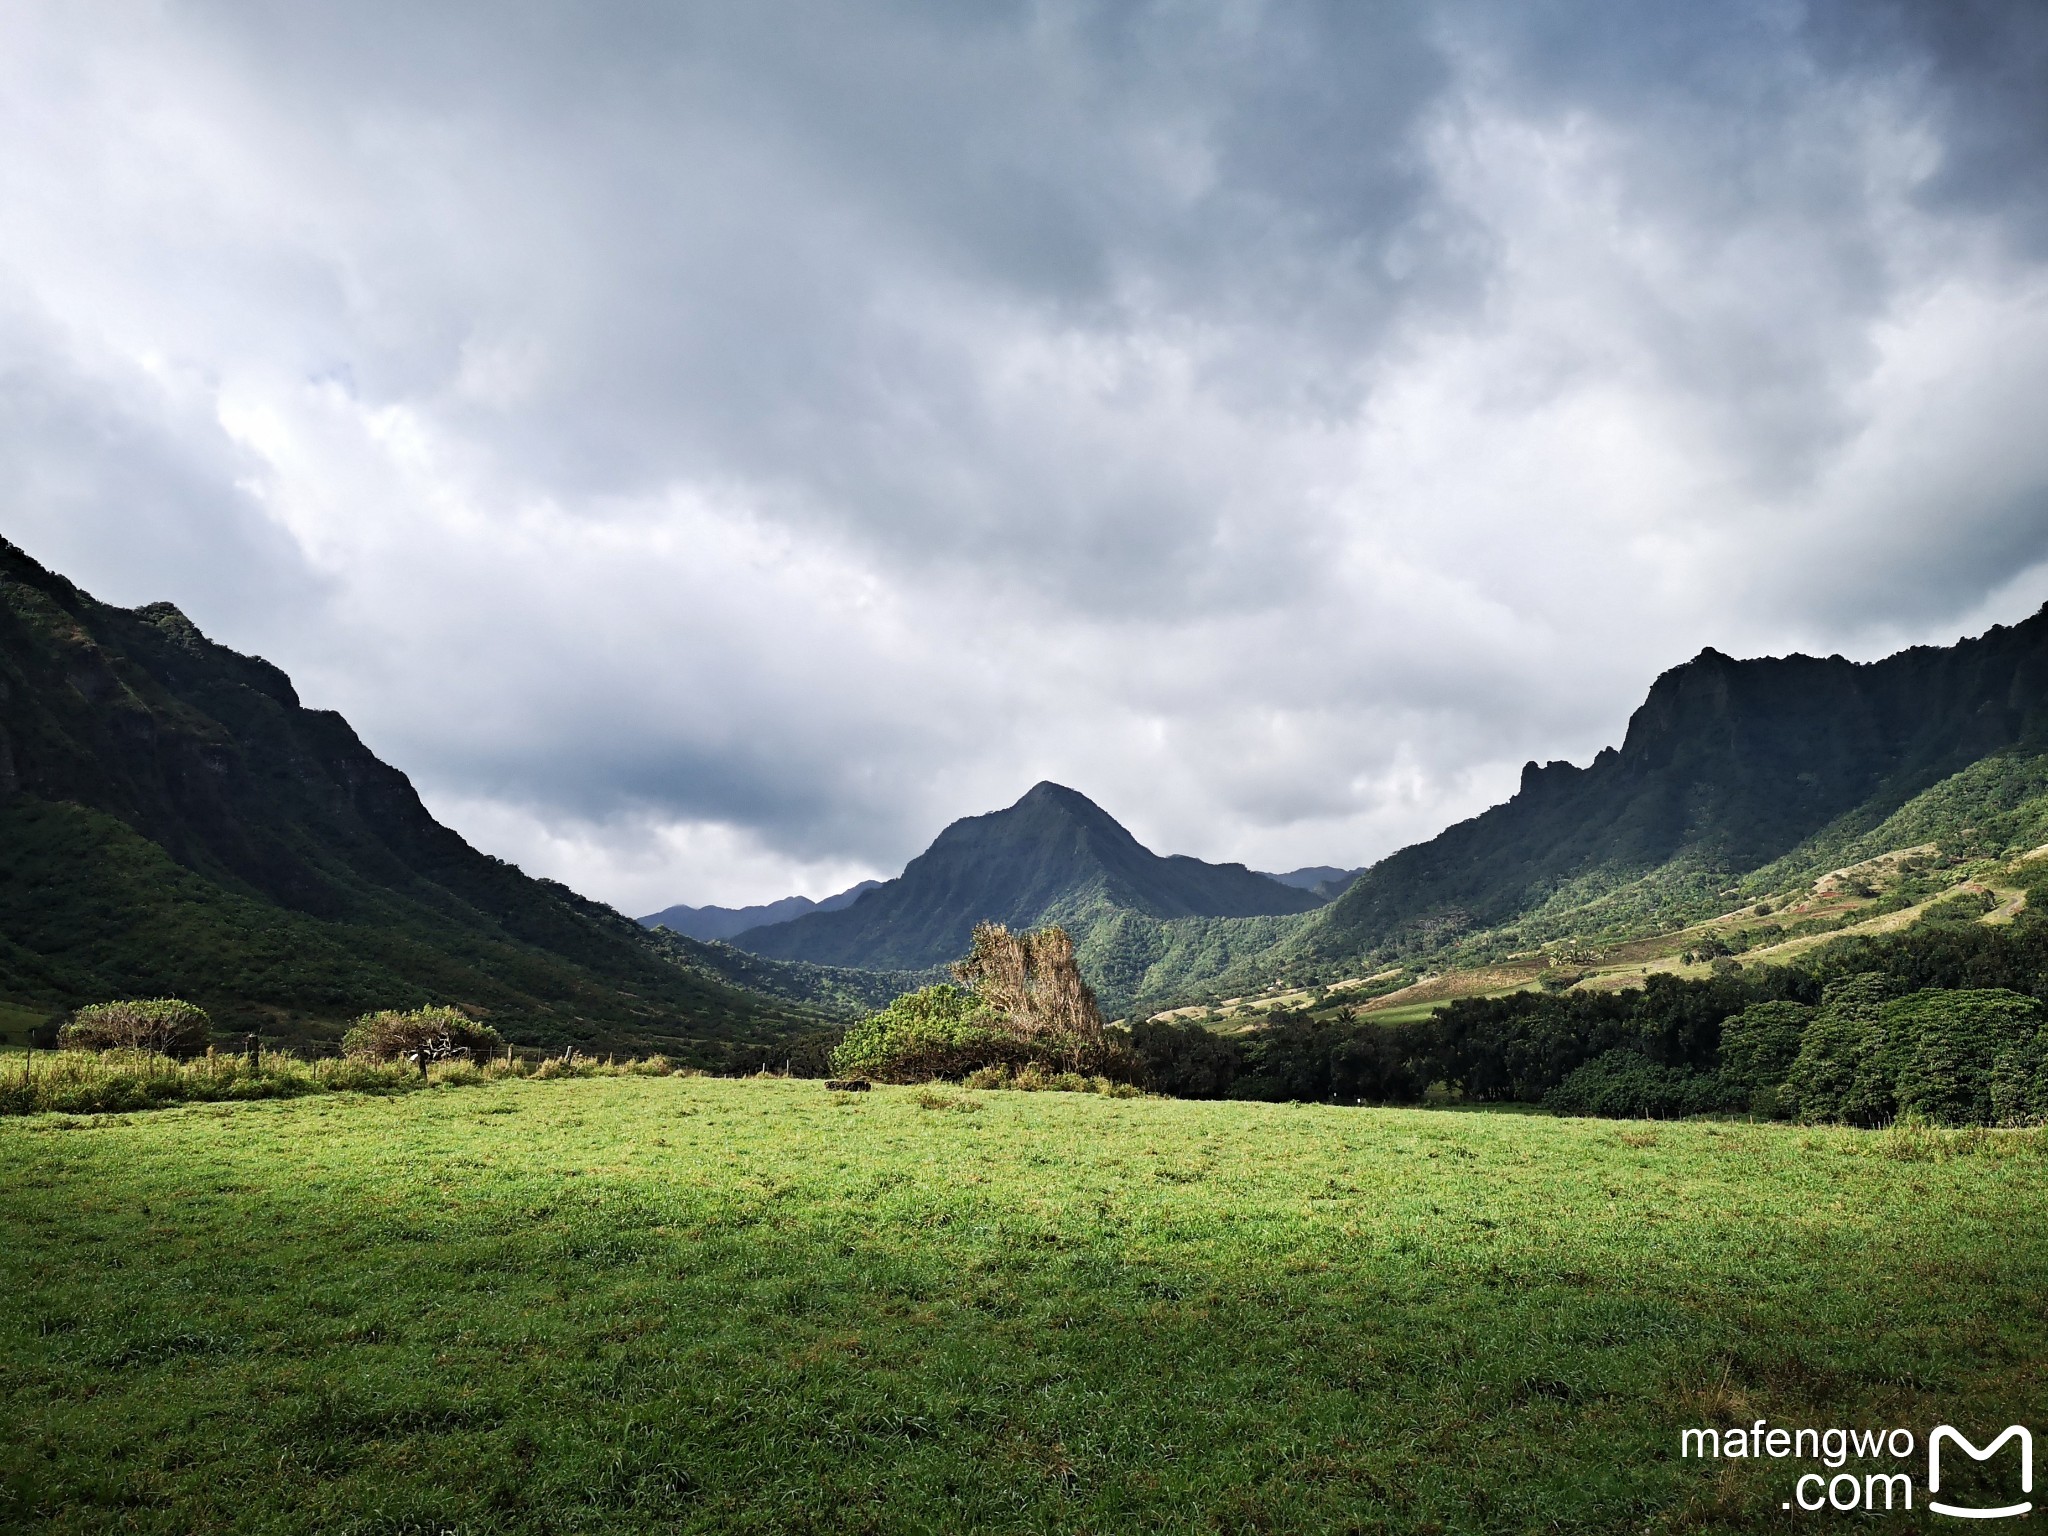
(713, 1305)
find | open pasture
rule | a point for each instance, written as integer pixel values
(624, 1304)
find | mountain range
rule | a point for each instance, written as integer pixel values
(175, 821)
(1324, 880)
(1731, 776)
(1726, 768)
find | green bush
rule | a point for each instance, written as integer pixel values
(424, 1035)
(1034, 1078)
(939, 1031)
(87, 1082)
(120, 1080)
(165, 1025)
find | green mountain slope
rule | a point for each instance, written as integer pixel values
(174, 820)
(1054, 856)
(1993, 809)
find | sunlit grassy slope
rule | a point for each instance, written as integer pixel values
(714, 1305)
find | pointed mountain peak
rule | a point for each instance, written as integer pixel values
(1046, 814)
(1047, 793)
(1054, 855)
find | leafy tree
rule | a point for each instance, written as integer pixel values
(1952, 1056)
(1966, 1058)
(1301, 1058)
(1186, 1060)
(1844, 1069)
(1626, 1083)
(1758, 1048)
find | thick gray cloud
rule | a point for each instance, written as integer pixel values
(712, 446)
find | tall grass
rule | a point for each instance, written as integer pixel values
(90, 1082)
(1913, 1140)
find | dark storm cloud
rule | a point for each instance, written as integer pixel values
(714, 445)
(736, 232)
(1982, 71)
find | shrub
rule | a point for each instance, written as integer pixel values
(559, 1066)
(938, 1031)
(1033, 1078)
(164, 1025)
(424, 1035)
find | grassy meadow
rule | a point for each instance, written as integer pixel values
(696, 1304)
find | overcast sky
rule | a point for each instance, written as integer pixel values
(711, 447)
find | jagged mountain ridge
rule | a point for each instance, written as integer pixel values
(1054, 855)
(177, 821)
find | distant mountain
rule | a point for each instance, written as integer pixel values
(175, 822)
(1054, 856)
(1324, 880)
(709, 923)
(843, 991)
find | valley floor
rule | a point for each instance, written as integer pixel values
(714, 1305)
